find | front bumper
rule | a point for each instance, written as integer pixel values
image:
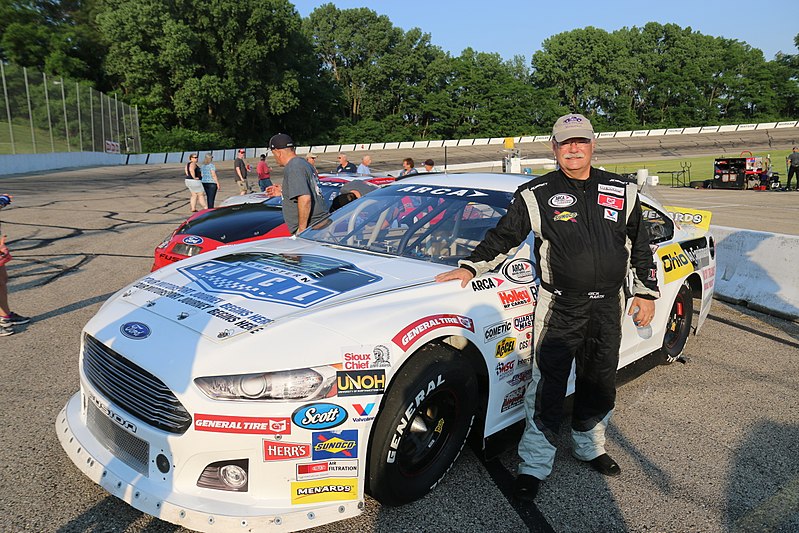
(201, 514)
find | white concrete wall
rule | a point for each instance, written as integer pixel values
(758, 268)
(21, 163)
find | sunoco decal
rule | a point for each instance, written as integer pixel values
(324, 490)
(565, 216)
(519, 271)
(243, 424)
(562, 200)
(319, 416)
(335, 444)
(405, 338)
(285, 451)
(297, 280)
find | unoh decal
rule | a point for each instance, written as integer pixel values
(676, 264)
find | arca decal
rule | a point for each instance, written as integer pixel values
(405, 338)
(446, 191)
(486, 283)
(519, 271)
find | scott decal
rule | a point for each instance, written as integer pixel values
(319, 416)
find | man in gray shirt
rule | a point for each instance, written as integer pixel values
(303, 203)
(793, 168)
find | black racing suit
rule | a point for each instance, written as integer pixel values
(588, 235)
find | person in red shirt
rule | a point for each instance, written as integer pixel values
(264, 174)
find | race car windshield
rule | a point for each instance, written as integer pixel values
(438, 224)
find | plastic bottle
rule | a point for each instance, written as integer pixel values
(645, 332)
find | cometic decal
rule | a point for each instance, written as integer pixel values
(405, 338)
(335, 444)
(242, 424)
(325, 490)
(496, 330)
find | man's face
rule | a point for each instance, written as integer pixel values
(428, 167)
(280, 155)
(342, 160)
(241, 155)
(406, 165)
(574, 155)
(367, 160)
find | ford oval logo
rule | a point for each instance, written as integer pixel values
(135, 330)
(193, 239)
(319, 416)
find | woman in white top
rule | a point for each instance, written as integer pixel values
(210, 181)
(193, 183)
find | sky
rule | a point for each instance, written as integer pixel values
(519, 27)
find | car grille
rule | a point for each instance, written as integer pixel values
(132, 388)
(126, 447)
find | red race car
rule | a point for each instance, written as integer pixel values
(240, 219)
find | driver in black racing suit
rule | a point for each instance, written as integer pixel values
(588, 232)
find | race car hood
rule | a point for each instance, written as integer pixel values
(242, 288)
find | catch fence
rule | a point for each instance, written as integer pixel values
(43, 114)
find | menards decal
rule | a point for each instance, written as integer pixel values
(324, 490)
(405, 338)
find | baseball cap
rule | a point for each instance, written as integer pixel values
(571, 126)
(280, 141)
(310, 155)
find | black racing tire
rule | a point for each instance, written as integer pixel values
(678, 324)
(424, 421)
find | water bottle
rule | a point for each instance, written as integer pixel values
(4, 200)
(645, 332)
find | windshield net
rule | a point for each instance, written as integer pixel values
(438, 224)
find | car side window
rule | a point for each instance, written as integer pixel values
(658, 224)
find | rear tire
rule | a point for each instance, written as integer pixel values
(678, 325)
(422, 426)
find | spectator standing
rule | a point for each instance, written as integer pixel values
(363, 168)
(209, 179)
(344, 165)
(194, 183)
(264, 174)
(407, 168)
(589, 232)
(242, 168)
(430, 166)
(311, 158)
(792, 161)
(303, 203)
(8, 319)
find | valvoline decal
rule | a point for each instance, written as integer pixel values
(298, 280)
(319, 416)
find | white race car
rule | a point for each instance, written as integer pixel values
(271, 385)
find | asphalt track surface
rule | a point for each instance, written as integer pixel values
(710, 446)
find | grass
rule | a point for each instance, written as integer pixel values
(701, 167)
(24, 145)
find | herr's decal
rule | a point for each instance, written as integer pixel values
(278, 450)
(405, 338)
(252, 425)
(676, 263)
(519, 271)
(298, 280)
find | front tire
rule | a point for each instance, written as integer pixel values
(422, 426)
(678, 325)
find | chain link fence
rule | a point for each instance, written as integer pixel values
(40, 114)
